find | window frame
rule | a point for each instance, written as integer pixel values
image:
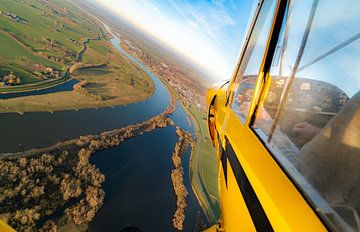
(253, 151)
(261, 88)
(260, 79)
(231, 89)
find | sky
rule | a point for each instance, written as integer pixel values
(208, 32)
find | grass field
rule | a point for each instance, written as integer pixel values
(113, 85)
(36, 85)
(203, 167)
(45, 20)
(118, 82)
(116, 85)
(207, 156)
(27, 77)
(97, 52)
(12, 51)
(204, 172)
(51, 37)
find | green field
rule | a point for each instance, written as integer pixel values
(12, 51)
(203, 167)
(207, 156)
(204, 175)
(43, 22)
(27, 77)
(97, 52)
(51, 36)
(112, 85)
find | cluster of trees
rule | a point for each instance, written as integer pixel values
(115, 137)
(10, 79)
(181, 193)
(33, 189)
(85, 210)
(177, 176)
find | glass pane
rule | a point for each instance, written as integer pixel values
(250, 65)
(310, 119)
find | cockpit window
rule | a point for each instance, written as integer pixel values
(250, 65)
(310, 117)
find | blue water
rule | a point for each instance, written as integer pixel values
(138, 185)
(36, 129)
(66, 86)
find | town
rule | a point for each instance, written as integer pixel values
(188, 89)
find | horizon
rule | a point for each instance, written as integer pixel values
(167, 51)
(209, 25)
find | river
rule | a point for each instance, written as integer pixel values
(66, 86)
(38, 129)
(138, 185)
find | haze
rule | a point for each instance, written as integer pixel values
(209, 33)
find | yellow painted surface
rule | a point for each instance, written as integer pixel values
(285, 207)
(236, 216)
(283, 204)
(213, 228)
(5, 228)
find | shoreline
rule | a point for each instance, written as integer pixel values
(86, 139)
(210, 215)
(105, 139)
(66, 76)
(206, 203)
(72, 179)
(177, 176)
(78, 100)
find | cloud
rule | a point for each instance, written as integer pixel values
(209, 19)
(196, 30)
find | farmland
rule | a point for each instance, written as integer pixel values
(41, 40)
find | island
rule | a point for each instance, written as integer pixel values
(59, 43)
(37, 185)
(64, 56)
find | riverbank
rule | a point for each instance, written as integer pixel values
(148, 158)
(72, 185)
(202, 165)
(108, 91)
(203, 168)
(116, 83)
(177, 176)
(44, 84)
